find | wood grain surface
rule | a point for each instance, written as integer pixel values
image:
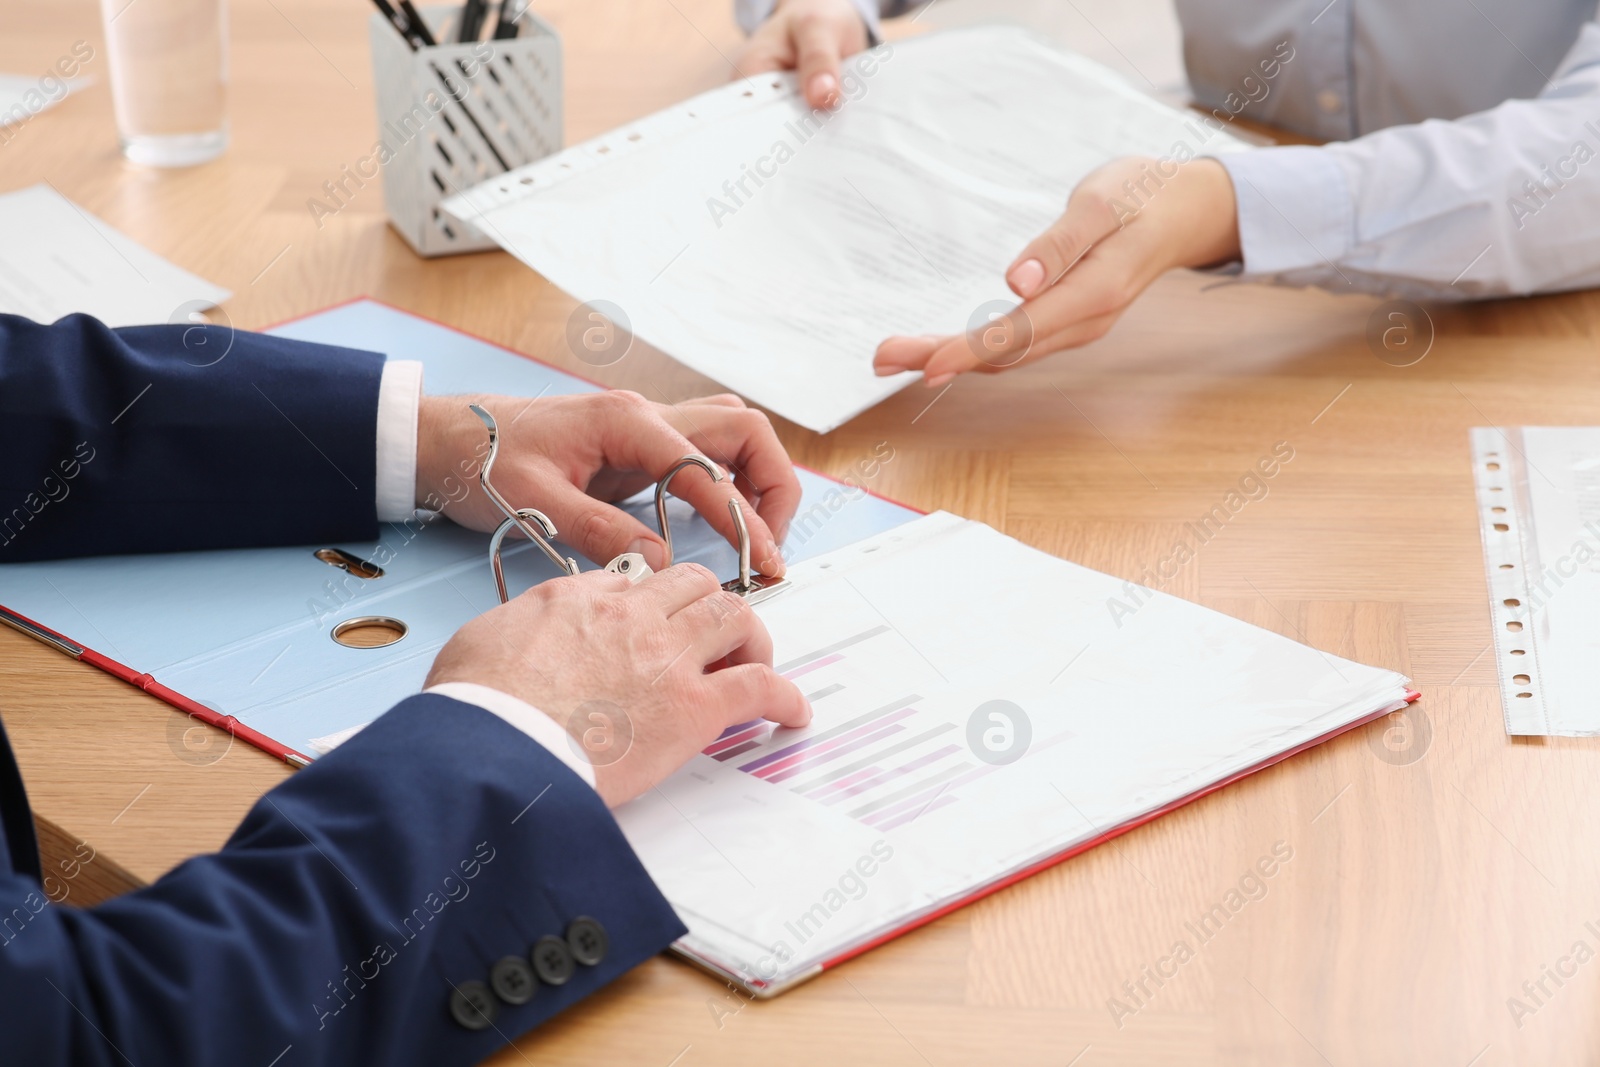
(1436, 865)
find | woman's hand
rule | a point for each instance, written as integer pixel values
(1125, 225)
(809, 36)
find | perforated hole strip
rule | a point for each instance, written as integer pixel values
(734, 98)
(1510, 560)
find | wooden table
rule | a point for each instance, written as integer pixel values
(1435, 868)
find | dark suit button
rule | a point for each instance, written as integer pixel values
(473, 1006)
(552, 960)
(512, 980)
(588, 941)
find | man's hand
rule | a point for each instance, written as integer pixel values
(810, 36)
(569, 456)
(641, 676)
(1125, 225)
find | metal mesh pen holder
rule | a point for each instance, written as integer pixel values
(454, 115)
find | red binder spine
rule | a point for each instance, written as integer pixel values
(127, 674)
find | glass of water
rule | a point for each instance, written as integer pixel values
(169, 78)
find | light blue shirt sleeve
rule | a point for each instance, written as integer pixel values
(1502, 202)
(752, 13)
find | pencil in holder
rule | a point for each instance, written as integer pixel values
(453, 115)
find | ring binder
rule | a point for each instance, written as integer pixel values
(255, 660)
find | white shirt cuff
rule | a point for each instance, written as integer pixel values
(1295, 209)
(399, 397)
(525, 717)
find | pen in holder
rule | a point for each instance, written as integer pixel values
(453, 115)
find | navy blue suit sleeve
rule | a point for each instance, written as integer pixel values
(342, 914)
(171, 438)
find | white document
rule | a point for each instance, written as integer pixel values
(773, 248)
(57, 259)
(22, 97)
(978, 711)
(1539, 510)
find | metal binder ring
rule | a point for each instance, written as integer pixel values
(741, 585)
(693, 459)
(521, 520)
(534, 524)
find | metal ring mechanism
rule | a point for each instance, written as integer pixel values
(753, 587)
(541, 531)
(534, 524)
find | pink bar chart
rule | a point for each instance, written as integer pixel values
(884, 767)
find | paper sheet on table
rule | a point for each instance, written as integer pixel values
(978, 709)
(1539, 508)
(22, 97)
(773, 248)
(57, 259)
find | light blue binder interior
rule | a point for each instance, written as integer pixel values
(248, 632)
